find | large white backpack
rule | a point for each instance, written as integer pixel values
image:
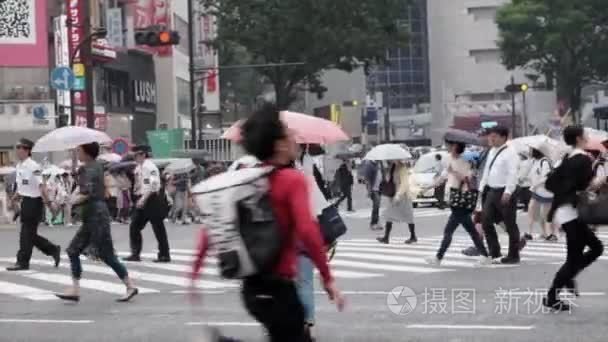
(240, 221)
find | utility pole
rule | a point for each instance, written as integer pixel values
(193, 106)
(387, 112)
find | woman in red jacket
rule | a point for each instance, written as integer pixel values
(272, 299)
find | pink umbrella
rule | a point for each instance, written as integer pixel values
(308, 129)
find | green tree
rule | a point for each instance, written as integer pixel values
(322, 34)
(564, 40)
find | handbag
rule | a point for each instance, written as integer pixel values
(460, 199)
(592, 208)
(332, 225)
(387, 187)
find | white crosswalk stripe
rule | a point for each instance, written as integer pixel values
(356, 260)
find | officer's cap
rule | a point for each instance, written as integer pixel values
(141, 149)
(25, 143)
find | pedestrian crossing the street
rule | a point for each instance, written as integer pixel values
(355, 260)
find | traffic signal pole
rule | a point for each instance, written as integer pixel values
(193, 106)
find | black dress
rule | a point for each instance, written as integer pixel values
(94, 234)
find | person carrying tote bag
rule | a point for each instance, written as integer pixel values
(400, 209)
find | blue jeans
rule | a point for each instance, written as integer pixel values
(306, 287)
(110, 260)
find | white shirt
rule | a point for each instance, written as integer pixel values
(504, 170)
(147, 178)
(317, 200)
(538, 176)
(566, 212)
(29, 178)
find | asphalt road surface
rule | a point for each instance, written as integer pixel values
(393, 295)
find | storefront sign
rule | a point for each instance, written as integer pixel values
(144, 96)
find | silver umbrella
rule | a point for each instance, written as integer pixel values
(180, 166)
(464, 137)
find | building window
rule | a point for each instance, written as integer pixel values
(483, 12)
(485, 55)
(183, 96)
(181, 26)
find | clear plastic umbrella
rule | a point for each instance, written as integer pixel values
(110, 157)
(180, 166)
(388, 152)
(70, 137)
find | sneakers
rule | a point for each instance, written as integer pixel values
(484, 261)
(510, 260)
(411, 241)
(556, 305)
(382, 240)
(471, 251)
(528, 237)
(552, 238)
(433, 261)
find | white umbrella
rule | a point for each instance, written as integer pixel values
(553, 149)
(110, 157)
(596, 134)
(180, 166)
(53, 171)
(67, 164)
(6, 170)
(388, 152)
(69, 137)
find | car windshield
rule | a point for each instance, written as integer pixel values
(427, 164)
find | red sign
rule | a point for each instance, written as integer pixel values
(75, 27)
(120, 146)
(212, 81)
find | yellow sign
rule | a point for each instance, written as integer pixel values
(336, 114)
(79, 70)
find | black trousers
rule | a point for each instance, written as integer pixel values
(460, 217)
(440, 195)
(578, 236)
(32, 210)
(524, 196)
(346, 194)
(375, 197)
(493, 209)
(154, 213)
(274, 302)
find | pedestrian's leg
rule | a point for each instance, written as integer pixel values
(349, 199)
(387, 233)
(160, 232)
(79, 242)
(375, 209)
(596, 248)
(533, 214)
(509, 214)
(550, 228)
(306, 288)
(469, 226)
(137, 225)
(412, 228)
(575, 244)
(448, 232)
(119, 268)
(26, 242)
(489, 213)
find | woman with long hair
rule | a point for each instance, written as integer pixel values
(540, 203)
(400, 208)
(95, 230)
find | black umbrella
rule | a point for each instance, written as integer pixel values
(464, 137)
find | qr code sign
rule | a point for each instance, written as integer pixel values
(17, 22)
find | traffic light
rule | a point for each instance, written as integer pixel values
(156, 37)
(517, 88)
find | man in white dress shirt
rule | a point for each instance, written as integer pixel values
(32, 193)
(498, 186)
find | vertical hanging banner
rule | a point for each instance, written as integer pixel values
(75, 37)
(208, 33)
(62, 59)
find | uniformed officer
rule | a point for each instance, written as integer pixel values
(150, 206)
(32, 193)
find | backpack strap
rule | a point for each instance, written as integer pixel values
(495, 157)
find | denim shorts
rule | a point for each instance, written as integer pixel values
(541, 199)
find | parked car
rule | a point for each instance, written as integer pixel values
(423, 176)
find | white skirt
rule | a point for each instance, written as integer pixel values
(399, 211)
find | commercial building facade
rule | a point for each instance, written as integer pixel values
(467, 77)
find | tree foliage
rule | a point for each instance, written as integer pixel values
(322, 34)
(563, 39)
